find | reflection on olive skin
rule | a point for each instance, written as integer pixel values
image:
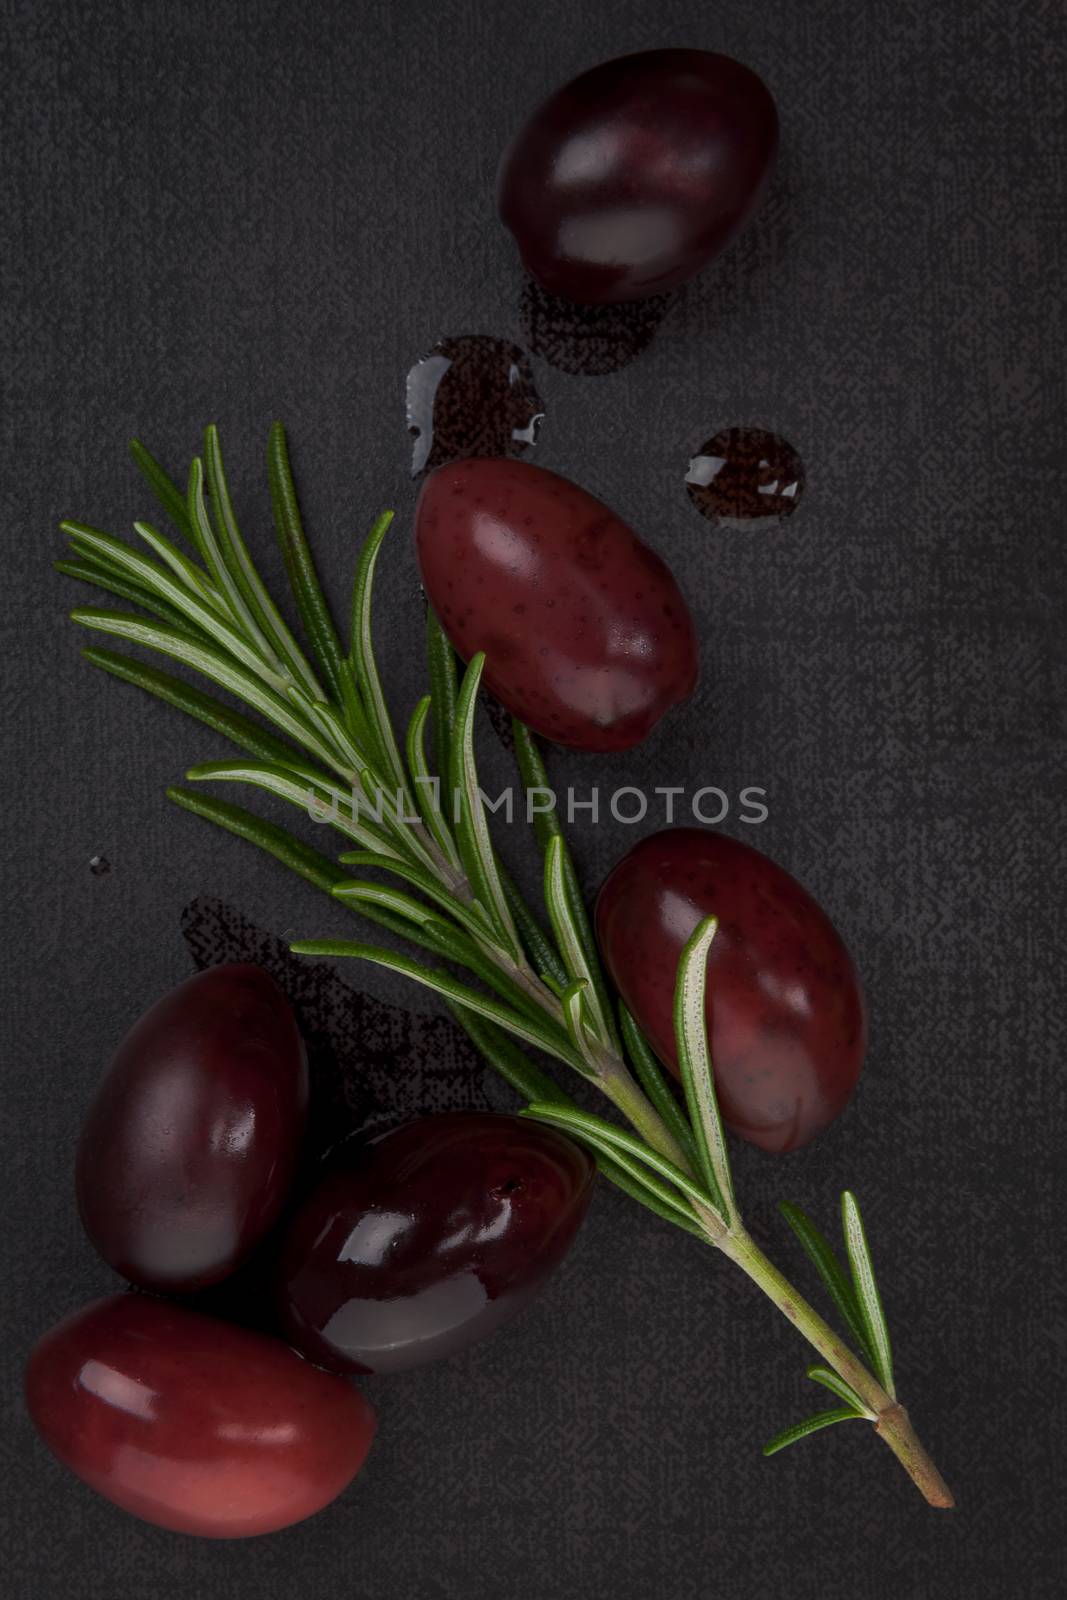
(445, 1229)
(117, 1389)
(438, 1315)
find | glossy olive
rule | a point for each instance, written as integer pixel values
(630, 179)
(194, 1134)
(786, 1017)
(587, 637)
(191, 1423)
(447, 1228)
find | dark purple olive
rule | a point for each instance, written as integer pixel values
(192, 1424)
(447, 1228)
(630, 179)
(194, 1135)
(785, 1013)
(586, 634)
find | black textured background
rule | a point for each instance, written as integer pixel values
(236, 211)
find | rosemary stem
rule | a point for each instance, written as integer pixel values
(612, 1076)
(454, 880)
(894, 1426)
(615, 1082)
(890, 1418)
(527, 980)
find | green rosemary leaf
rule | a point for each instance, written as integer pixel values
(541, 1037)
(292, 852)
(364, 666)
(114, 560)
(87, 571)
(550, 983)
(558, 904)
(303, 578)
(844, 1391)
(426, 936)
(444, 692)
(355, 715)
(301, 787)
(475, 845)
(157, 580)
(866, 1287)
(694, 1062)
(633, 1180)
(653, 1081)
(239, 729)
(321, 715)
(361, 893)
(628, 1174)
(455, 946)
(427, 787)
(186, 571)
(407, 832)
(574, 1000)
(546, 823)
(823, 1257)
(239, 562)
(542, 952)
(534, 1085)
(426, 882)
(465, 916)
(99, 549)
(621, 1143)
(165, 490)
(514, 1066)
(638, 1160)
(547, 827)
(237, 607)
(213, 664)
(812, 1424)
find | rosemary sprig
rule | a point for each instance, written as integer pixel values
(445, 891)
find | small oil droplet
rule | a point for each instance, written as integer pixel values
(745, 476)
(472, 395)
(99, 866)
(588, 341)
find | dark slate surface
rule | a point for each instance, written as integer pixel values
(250, 210)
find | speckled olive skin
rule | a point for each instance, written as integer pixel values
(786, 1017)
(446, 1229)
(193, 1137)
(194, 1424)
(586, 635)
(630, 179)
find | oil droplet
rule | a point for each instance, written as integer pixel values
(99, 866)
(472, 395)
(745, 476)
(588, 341)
